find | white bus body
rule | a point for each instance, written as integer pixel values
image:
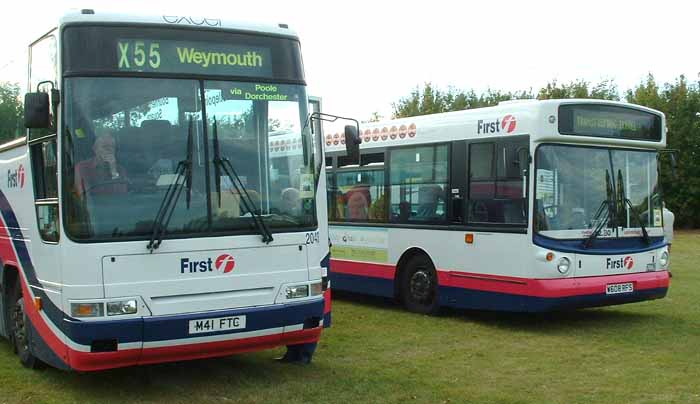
(444, 209)
(141, 97)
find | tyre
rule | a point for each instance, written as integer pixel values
(419, 286)
(20, 329)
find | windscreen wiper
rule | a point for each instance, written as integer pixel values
(600, 224)
(607, 206)
(626, 201)
(183, 177)
(225, 164)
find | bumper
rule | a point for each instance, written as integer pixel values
(541, 295)
(166, 338)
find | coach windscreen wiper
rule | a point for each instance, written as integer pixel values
(183, 177)
(223, 163)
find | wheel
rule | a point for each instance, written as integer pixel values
(419, 286)
(19, 327)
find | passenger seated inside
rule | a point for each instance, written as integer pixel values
(428, 198)
(357, 202)
(101, 174)
(290, 203)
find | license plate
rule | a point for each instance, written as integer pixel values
(617, 288)
(217, 324)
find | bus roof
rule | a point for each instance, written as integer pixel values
(209, 23)
(519, 117)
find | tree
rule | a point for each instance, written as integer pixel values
(432, 100)
(11, 112)
(605, 90)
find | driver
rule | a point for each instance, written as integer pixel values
(101, 174)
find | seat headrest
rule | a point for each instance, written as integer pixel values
(156, 124)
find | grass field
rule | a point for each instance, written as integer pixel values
(376, 352)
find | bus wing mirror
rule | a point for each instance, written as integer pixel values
(352, 142)
(36, 110)
(523, 159)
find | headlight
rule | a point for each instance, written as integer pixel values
(563, 265)
(122, 307)
(297, 291)
(87, 309)
(663, 260)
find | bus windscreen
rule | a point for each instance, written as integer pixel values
(128, 49)
(609, 121)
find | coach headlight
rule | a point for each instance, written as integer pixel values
(663, 260)
(122, 307)
(297, 291)
(563, 265)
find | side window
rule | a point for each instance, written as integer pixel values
(44, 169)
(419, 184)
(42, 68)
(496, 183)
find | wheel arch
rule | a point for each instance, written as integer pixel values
(9, 276)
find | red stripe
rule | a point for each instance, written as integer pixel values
(566, 287)
(384, 271)
(327, 301)
(7, 253)
(85, 361)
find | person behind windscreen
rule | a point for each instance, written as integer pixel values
(101, 174)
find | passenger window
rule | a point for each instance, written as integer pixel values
(419, 184)
(44, 170)
(496, 183)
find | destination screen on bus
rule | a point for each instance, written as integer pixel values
(129, 49)
(609, 121)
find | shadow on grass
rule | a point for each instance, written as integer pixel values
(193, 381)
(563, 321)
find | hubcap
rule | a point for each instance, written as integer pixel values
(20, 329)
(420, 286)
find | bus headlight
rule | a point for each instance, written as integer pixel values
(87, 309)
(563, 265)
(297, 291)
(663, 260)
(122, 307)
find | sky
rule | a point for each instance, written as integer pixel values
(362, 56)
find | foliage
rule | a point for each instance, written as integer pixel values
(11, 112)
(605, 90)
(680, 101)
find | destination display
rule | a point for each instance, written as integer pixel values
(609, 121)
(143, 55)
(134, 50)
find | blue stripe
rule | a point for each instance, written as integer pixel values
(600, 246)
(162, 328)
(363, 284)
(481, 300)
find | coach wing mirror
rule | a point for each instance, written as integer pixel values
(36, 110)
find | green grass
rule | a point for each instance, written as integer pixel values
(375, 352)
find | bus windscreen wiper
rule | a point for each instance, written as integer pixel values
(183, 177)
(606, 206)
(225, 164)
